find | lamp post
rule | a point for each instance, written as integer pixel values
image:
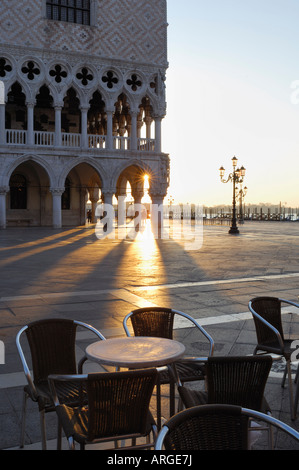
(242, 193)
(237, 176)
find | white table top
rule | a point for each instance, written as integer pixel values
(136, 351)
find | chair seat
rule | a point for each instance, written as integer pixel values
(188, 372)
(273, 347)
(192, 398)
(75, 424)
(68, 392)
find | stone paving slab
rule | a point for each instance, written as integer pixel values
(70, 273)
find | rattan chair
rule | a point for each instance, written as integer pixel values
(159, 322)
(117, 408)
(214, 427)
(52, 349)
(266, 312)
(233, 380)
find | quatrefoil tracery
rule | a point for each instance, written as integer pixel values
(30, 70)
(84, 76)
(4, 67)
(110, 79)
(134, 82)
(58, 73)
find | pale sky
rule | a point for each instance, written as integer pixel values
(232, 65)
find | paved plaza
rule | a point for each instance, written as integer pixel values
(70, 273)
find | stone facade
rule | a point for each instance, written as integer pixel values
(82, 107)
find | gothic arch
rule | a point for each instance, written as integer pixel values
(25, 89)
(134, 173)
(137, 165)
(75, 162)
(11, 167)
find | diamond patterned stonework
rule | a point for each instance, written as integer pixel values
(126, 29)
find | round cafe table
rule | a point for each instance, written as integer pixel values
(139, 352)
(136, 352)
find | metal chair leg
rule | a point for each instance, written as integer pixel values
(43, 429)
(296, 399)
(158, 401)
(291, 390)
(59, 435)
(24, 408)
(71, 443)
(284, 375)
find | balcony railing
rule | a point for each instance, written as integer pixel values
(44, 138)
(72, 140)
(96, 141)
(147, 145)
(16, 137)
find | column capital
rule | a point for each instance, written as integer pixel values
(57, 191)
(84, 107)
(109, 192)
(4, 189)
(31, 103)
(158, 116)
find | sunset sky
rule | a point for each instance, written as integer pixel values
(233, 89)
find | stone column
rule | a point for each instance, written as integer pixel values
(109, 137)
(93, 197)
(58, 126)
(158, 126)
(56, 198)
(2, 124)
(30, 123)
(133, 134)
(3, 191)
(139, 209)
(139, 124)
(121, 209)
(84, 137)
(122, 131)
(157, 214)
(148, 121)
(107, 196)
(106, 224)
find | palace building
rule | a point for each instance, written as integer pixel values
(82, 99)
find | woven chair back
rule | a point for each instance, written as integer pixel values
(268, 308)
(208, 427)
(238, 380)
(52, 347)
(156, 322)
(118, 403)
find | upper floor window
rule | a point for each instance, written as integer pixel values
(73, 11)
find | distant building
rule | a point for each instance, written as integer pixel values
(84, 97)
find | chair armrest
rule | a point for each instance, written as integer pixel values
(201, 329)
(161, 437)
(193, 359)
(266, 323)
(24, 362)
(93, 330)
(90, 328)
(290, 302)
(125, 324)
(63, 378)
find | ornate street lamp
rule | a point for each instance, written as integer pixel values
(237, 176)
(241, 193)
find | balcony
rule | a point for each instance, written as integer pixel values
(73, 140)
